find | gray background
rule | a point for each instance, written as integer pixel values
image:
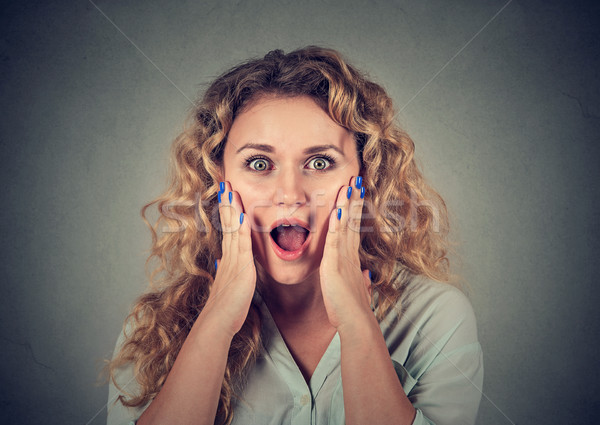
(506, 126)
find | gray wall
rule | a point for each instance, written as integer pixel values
(506, 125)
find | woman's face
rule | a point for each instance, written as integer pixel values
(288, 160)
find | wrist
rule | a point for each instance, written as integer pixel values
(213, 327)
(361, 328)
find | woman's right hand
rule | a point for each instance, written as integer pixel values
(235, 280)
(203, 356)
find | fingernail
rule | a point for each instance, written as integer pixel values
(216, 265)
(222, 187)
(241, 218)
(230, 197)
(339, 214)
(219, 196)
(358, 182)
(349, 192)
(362, 192)
(370, 276)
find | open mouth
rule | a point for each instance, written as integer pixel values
(289, 237)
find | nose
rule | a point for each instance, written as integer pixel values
(290, 191)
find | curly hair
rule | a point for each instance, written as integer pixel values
(407, 218)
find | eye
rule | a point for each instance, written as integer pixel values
(321, 163)
(258, 164)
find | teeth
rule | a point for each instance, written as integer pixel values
(290, 225)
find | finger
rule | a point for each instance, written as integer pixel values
(342, 202)
(355, 212)
(333, 230)
(232, 206)
(240, 235)
(224, 216)
(229, 208)
(245, 244)
(245, 229)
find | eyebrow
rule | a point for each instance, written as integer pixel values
(307, 151)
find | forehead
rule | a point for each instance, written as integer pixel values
(289, 124)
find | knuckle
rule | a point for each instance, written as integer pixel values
(333, 242)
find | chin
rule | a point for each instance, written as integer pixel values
(288, 278)
(289, 275)
(285, 273)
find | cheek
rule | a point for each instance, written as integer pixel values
(256, 207)
(323, 206)
(249, 194)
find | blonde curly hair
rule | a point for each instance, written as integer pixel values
(407, 218)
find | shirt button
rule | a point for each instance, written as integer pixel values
(304, 400)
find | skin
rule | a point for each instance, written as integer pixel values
(311, 298)
(291, 185)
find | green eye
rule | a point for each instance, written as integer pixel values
(320, 163)
(259, 164)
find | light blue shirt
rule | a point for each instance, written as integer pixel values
(432, 343)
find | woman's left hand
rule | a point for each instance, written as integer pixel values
(346, 288)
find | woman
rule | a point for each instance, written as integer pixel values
(301, 265)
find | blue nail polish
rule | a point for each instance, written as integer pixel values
(362, 192)
(370, 276)
(349, 194)
(216, 265)
(219, 196)
(339, 214)
(241, 218)
(222, 187)
(358, 182)
(230, 197)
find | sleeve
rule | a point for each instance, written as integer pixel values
(117, 414)
(442, 371)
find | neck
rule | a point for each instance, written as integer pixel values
(301, 301)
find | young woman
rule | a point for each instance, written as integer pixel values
(302, 265)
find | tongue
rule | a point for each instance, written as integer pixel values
(290, 238)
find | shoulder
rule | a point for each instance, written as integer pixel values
(429, 316)
(438, 302)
